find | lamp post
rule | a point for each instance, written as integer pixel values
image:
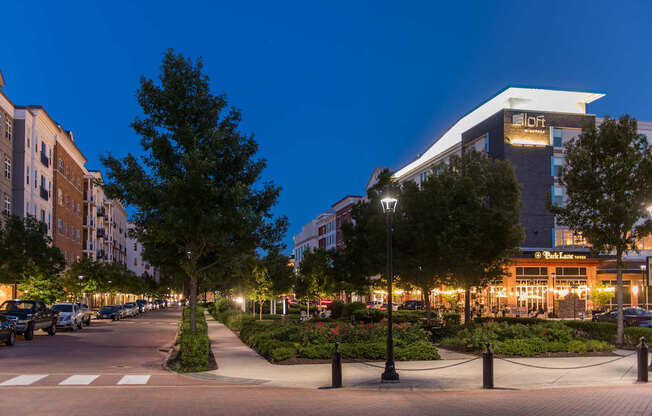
(81, 287)
(645, 283)
(390, 375)
(553, 293)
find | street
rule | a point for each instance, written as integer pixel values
(114, 368)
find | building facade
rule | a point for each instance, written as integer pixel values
(35, 136)
(306, 240)
(68, 202)
(135, 261)
(343, 210)
(6, 152)
(326, 230)
(528, 127)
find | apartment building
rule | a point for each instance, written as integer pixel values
(35, 134)
(68, 203)
(135, 261)
(326, 230)
(6, 151)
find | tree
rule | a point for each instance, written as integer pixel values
(47, 288)
(26, 251)
(601, 295)
(608, 181)
(483, 205)
(314, 278)
(196, 189)
(261, 287)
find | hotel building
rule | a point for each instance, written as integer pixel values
(6, 151)
(528, 126)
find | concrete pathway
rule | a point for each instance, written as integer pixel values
(240, 364)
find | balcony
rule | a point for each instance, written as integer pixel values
(88, 246)
(101, 212)
(44, 228)
(45, 160)
(100, 233)
(88, 222)
(100, 254)
(89, 197)
(44, 193)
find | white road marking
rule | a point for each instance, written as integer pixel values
(24, 380)
(79, 380)
(134, 379)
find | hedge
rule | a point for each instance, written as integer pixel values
(194, 345)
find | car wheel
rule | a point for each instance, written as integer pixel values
(73, 327)
(80, 325)
(29, 332)
(52, 329)
(11, 340)
(88, 321)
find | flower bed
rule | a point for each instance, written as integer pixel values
(518, 339)
(282, 340)
(193, 347)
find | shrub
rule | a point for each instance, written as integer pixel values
(417, 351)
(633, 335)
(452, 318)
(603, 331)
(337, 308)
(283, 353)
(194, 345)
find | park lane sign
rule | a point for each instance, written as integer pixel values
(558, 255)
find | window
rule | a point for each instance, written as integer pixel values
(7, 205)
(8, 130)
(557, 164)
(7, 168)
(557, 195)
(556, 137)
(27, 208)
(27, 174)
(68, 171)
(60, 226)
(67, 201)
(60, 196)
(135, 262)
(61, 165)
(43, 182)
(35, 178)
(78, 236)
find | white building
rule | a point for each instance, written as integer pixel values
(135, 261)
(306, 240)
(327, 230)
(35, 132)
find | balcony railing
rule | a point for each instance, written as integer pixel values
(44, 193)
(45, 160)
(101, 212)
(100, 233)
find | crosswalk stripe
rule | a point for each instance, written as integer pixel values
(134, 379)
(24, 380)
(79, 380)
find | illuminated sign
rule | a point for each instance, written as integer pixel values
(558, 255)
(530, 123)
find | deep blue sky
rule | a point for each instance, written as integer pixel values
(330, 89)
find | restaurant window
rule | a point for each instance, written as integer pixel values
(627, 293)
(557, 165)
(531, 290)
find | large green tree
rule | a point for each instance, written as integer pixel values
(26, 251)
(315, 277)
(196, 188)
(485, 229)
(608, 180)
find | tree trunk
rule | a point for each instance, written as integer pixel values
(619, 296)
(426, 298)
(308, 308)
(193, 303)
(260, 309)
(467, 306)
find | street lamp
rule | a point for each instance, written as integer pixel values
(645, 283)
(390, 375)
(81, 287)
(553, 293)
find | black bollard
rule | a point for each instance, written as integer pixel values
(488, 368)
(337, 367)
(642, 361)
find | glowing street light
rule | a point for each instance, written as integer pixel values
(390, 375)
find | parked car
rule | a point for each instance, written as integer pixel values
(374, 304)
(142, 305)
(109, 312)
(86, 312)
(631, 317)
(70, 316)
(130, 310)
(30, 315)
(7, 331)
(411, 305)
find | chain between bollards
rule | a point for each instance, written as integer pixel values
(488, 368)
(642, 361)
(337, 367)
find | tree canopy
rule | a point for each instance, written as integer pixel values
(196, 190)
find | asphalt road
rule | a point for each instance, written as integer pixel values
(114, 368)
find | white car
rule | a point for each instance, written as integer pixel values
(70, 316)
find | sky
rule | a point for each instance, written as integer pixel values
(330, 89)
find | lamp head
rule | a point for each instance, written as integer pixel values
(389, 205)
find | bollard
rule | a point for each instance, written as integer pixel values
(488, 368)
(642, 361)
(337, 367)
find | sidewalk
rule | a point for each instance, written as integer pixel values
(240, 364)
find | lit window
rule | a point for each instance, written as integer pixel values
(556, 137)
(558, 195)
(7, 205)
(7, 168)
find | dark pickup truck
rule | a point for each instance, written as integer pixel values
(30, 315)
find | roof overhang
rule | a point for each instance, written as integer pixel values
(511, 97)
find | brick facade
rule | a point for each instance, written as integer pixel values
(67, 203)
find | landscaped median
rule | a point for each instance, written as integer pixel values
(192, 348)
(279, 340)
